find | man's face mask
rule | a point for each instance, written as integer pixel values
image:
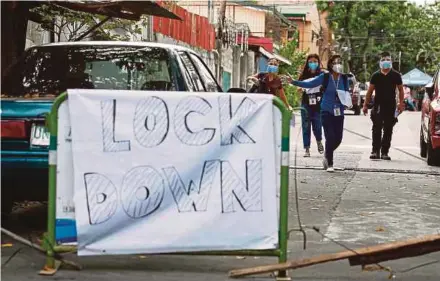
(272, 68)
(385, 63)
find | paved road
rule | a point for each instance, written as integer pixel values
(354, 206)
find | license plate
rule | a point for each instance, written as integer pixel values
(39, 136)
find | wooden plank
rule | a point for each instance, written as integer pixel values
(398, 249)
(408, 251)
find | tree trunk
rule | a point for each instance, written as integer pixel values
(14, 25)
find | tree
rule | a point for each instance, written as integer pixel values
(363, 29)
(68, 25)
(16, 14)
(297, 58)
(14, 20)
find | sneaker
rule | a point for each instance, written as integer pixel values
(307, 153)
(385, 157)
(374, 155)
(325, 163)
(320, 147)
(330, 169)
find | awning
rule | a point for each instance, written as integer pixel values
(264, 42)
(276, 56)
(265, 47)
(416, 78)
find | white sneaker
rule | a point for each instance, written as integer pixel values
(330, 169)
(307, 153)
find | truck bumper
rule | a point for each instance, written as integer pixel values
(24, 175)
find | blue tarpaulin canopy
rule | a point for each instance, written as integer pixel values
(416, 78)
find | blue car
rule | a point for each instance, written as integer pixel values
(46, 71)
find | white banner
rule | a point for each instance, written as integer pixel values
(65, 228)
(161, 172)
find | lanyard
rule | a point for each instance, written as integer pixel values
(336, 84)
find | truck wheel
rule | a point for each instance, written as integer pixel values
(7, 204)
(423, 145)
(7, 196)
(433, 155)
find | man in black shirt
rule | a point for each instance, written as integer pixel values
(384, 82)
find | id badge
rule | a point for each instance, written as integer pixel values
(312, 99)
(337, 111)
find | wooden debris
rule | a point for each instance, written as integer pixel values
(40, 249)
(362, 256)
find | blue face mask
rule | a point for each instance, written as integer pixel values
(313, 66)
(385, 64)
(272, 68)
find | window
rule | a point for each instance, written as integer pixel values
(192, 72)
(210, 83)
(49, 71)
(188, 79)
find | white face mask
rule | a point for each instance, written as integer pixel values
(338, 68)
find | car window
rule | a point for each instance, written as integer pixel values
(194, 75)
(51, 70)
(210, 83)
(186, 74)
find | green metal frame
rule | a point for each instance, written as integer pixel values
(49, 242)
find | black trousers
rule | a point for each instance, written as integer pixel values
(383, 123)
(333, 132)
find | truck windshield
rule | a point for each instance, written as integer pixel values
(48, 71)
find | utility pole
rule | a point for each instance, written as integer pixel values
(365, 66)
(219, 37)
(209, 11)
(400, 56)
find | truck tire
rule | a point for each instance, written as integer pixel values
(423, 145)
(7, 204)
(433, 155)
(7, 196)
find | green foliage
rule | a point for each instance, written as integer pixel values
(290, 51)
(72, 24)
(363, 29)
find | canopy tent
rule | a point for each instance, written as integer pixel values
(416, 78)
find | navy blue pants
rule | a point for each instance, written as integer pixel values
(310, 118)
(333, 132)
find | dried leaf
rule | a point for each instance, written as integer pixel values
(371, 267)
(380, 229)
(7, 245)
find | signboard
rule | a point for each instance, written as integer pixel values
(161, 172)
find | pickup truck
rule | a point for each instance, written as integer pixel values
(430, 122)
(43, 72)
